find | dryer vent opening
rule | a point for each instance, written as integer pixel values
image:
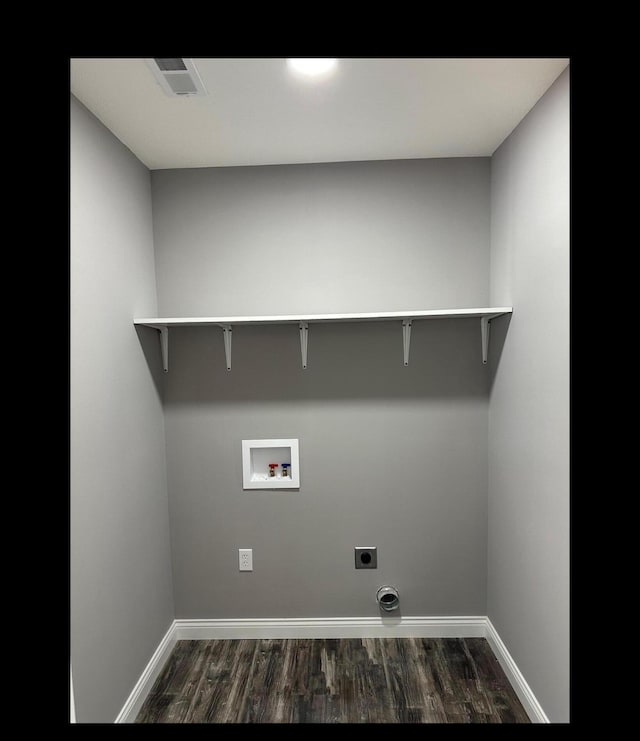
(388, 598)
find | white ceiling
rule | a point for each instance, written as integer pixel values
(257, 113)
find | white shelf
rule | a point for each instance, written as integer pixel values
(163, 324)
(378, 316)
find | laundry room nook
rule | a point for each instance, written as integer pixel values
(319, 390)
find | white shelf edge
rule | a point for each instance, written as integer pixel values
(490, 312)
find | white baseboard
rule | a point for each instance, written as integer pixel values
(143, 686)
(514, 675)
(72, 701)
(347, 627)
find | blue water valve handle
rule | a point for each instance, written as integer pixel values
(285, 465)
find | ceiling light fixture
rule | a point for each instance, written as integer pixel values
(314, 67)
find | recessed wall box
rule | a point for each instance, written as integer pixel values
(257, 455)
(366, 557)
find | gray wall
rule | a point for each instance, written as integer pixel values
(390, 456)
(528, 562)
(121, 594)
(355, 236)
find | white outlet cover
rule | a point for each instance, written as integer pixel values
(245, 559)
(258, 454)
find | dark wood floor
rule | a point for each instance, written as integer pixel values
(375, 680)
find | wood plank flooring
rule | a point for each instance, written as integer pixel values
(346, 680)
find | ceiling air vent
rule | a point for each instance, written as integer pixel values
(171, 65)
(177, 77)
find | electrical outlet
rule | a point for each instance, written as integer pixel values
(366, 557)
(245, 559)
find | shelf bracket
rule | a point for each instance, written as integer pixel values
(164, 347)
(226, 334)
(304, 342)
(406, 338)
(485, 326)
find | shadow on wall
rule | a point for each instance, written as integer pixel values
(499, 328)
(345, 362)
(150, 345)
